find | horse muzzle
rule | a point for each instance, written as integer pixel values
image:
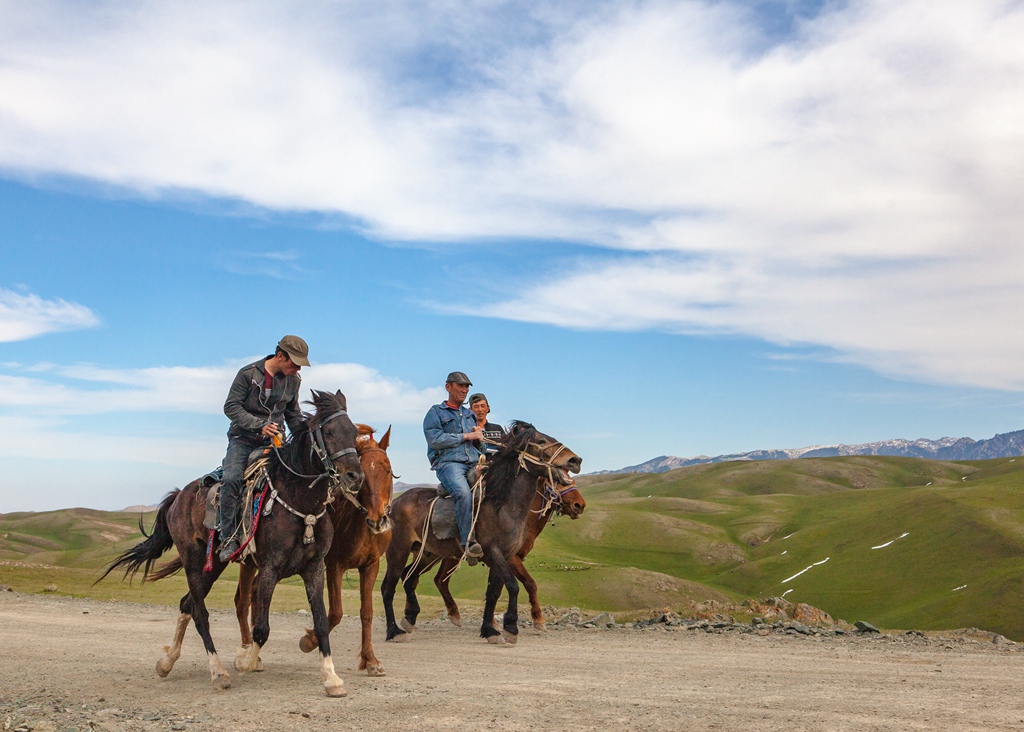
(380, 525)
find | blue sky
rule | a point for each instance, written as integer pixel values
(649, 227)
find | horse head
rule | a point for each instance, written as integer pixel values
(565, 501)
(334, 440)
(378, 480)
(541, 454)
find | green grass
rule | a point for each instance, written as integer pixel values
(705, 532)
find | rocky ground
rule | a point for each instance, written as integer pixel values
(81, 665)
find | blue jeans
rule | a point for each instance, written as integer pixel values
(453, 478)
(235, 462)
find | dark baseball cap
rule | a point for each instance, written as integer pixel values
(296, 349)
(458, 377)
(478, 397)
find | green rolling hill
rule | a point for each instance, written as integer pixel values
(953, 536)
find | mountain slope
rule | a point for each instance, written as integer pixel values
(1010, 444)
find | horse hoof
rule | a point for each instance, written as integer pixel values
(540, 627)
(222, 682)
(336, 690)
(307, 643)
(163, 668)
(455, 620)
(259, 665)
(399, 637)
(406, 625)
(375, 671)
(496, 640)
(510, 638)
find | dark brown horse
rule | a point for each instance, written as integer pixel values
(306, 474)
(362, 532)
(548, 501)
(511, 482)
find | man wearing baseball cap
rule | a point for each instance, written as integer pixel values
(263, 397)
(452, 437)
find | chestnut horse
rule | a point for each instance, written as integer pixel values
(511, 482)
(547, 502)
(362, 532)
(306, 474)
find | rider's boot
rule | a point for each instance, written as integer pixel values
(228, 527)
(473, 550)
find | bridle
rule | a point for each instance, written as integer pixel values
(553, 499)
(549, 464)
(351, 496)
(330, 474)
(318, 448)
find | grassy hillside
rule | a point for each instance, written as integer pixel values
(725, 531)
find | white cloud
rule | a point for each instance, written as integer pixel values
(854, 186)
(28, 316)
(83, 389)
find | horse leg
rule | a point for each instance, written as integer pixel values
(266, 582)
(444, 573)
(412, 603)
(519, 570)
(335, 574)
(367, 578)
(199, 584)
(173, 652)
(387, 591)
(487, 629)
(313, 577)
(510, 623)
(243, 608)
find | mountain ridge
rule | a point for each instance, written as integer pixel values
(1008, 444)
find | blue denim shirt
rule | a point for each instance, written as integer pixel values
(443, 428)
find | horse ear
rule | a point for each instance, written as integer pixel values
(385, 440)
(341, 399)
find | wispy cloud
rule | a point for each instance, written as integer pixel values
(283, 265)
(853, 185)
(24, 316)
(62, 391)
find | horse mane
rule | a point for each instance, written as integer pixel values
(503, 466)
(364, 438)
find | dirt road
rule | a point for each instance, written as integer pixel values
(81, 664)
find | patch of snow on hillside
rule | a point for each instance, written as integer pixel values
(883, 546)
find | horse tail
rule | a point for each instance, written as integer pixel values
(172, 567)
(143, 555)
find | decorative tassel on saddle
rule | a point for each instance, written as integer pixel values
(257, 506)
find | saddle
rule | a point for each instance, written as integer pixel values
(254, 484)
(442, 518)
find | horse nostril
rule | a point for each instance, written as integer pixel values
(353, 477)
(575, 465)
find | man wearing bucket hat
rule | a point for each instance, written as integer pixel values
(263, 397)
(452, 437)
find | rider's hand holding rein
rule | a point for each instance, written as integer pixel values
(270, 429)
(476, 434)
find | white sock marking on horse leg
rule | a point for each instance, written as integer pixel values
(173, 652)
(220, 677)
(246, 661)
(333, 684)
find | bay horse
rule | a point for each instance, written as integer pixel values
(524, 455)
(362, 532)
(306, 474)
(548, 501)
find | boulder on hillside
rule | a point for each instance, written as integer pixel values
(776, 608)
(810, 615)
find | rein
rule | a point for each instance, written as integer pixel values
(553, 498)
(318, 448)
(549, 464)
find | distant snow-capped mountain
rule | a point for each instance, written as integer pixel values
(1010, 444)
